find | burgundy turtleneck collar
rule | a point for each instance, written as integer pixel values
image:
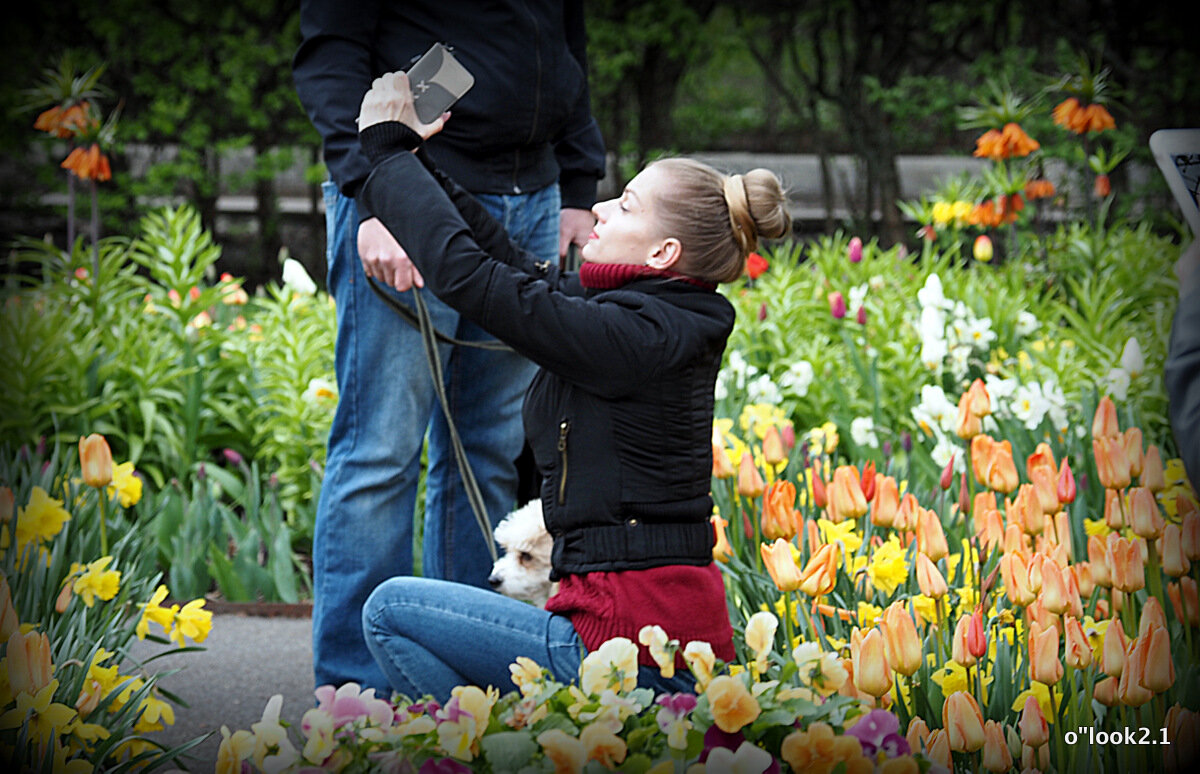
(607, 276)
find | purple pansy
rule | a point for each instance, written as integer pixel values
(879, 730)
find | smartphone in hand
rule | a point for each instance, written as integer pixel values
(438, 80)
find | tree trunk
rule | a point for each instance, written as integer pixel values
(267, 209)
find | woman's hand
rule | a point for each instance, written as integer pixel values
(390, 99)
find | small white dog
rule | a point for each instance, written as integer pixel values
(523, 569)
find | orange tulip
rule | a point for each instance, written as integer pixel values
(1054, 588)
(982, 503)
(780, 565)
(721, 467)
(1125, 562)
(872, 674)
(1174, 561)
(1130, 690)
(1159, 674)
(968, 424)
(1016, 579)
(908, 515)
(992, 463)
(1112, 465)
(959, 652)
(95, 460)
(1112, 653)
(1114, 509)
(820, 497)
(1065, 485)
(1105, 691)
(1133, 450)
(1016, 542)
(9, 622)
(1081, 572)
(929, 578)
(1076, 649)
(779, 516)
(820, 574)
(722, 551)
(1026, 510)
(886, 503)
(904, 649)
(1152, 615)
(931, 538)
(772, 446)
(1032, 726)
(1044, 664)
(937, 749)
(963, 722)
(868, 480)
(1190, 535)
(996, 756)
(917, 734)
(1152, 476)
(1185, 601)
(750, 482)
(1035, 572)
(29, 667)
(992, 533)
(980, 399)
(845, 492)
(1104, 422)
(88, 164)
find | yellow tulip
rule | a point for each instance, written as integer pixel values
(872, 674)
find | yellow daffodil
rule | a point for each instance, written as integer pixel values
(1096, 527)
(868, 614)
(953, 677)
(152, 612)
(823, 439)
(126, 485)
(40, 519)
(887, 569)
(1040, 692)
(758, 418)
(845, 532)
(94, 580)
(46, 718)
(192, 622)
(156, 714)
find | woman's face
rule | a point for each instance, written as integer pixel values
(627, 229)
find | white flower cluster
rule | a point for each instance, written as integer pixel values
(742, 377)
(1133, 364)
(950, 332)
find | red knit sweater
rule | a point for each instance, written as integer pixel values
(687, 602)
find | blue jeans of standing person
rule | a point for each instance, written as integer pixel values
(386, 405)
(430, 636)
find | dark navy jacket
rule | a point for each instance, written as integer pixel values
(526, 122)
(619, 416)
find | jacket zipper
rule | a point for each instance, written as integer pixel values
(537, 94)
(563, 428)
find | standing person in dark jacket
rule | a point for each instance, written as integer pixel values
(619, 415)
(1182, 371)
(525, 143)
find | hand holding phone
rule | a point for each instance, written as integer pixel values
(418, 98)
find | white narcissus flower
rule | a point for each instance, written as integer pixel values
(935, 412)
(931, 295)
(862, 431)
(1116, 383)
(319, 390)
(762, 390)
(797, 379)
(944, 449)
(1132, 359)
(1027, 324)
(296, 277)
(1029, 405)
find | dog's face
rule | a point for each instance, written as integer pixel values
(523, 569)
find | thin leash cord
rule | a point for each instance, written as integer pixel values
(429, 338)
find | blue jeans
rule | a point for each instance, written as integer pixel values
(386, 405)
(430, 636)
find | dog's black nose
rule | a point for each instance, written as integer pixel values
(494, 581)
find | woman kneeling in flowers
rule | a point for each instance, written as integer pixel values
(619, 415)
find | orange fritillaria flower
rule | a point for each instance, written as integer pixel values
(1081, 119)
(1007, 143)
(1039, 189)
(63, 122)
(89, 164)
(756, 265)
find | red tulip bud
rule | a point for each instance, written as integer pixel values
(861, 317)
(1066, 483)
(948, 472)
(976, 636)
(837, 305)
(854, 253)
(868, 480)
(820, 499)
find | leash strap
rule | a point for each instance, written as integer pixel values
(430, 336)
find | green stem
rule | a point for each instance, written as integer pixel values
(788, 627)
(102, 496)
(1059, 763)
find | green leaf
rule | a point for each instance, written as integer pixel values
(508, 750)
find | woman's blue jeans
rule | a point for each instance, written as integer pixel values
(386, 405)
(430, 636)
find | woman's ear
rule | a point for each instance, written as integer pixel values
(666, 254)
